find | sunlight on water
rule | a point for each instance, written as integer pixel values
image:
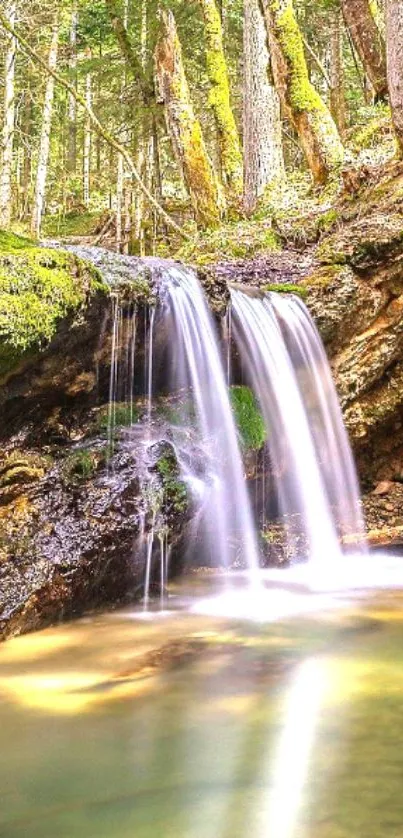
(197, 726)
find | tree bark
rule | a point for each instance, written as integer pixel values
(87, 138)
(394, 40)
(72, 105)
(302, 104)
(44, 145)
(337, 92)
(219, 99)
(184, 128)
(368, 42)
(262, 135)
(8, 122)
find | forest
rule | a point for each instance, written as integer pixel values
(152, 125)
(201, 418)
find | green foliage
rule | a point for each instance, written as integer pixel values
(175, 495)
(286, 288)
(70, 225)
(236, 240)
(123, 414)
(83, 464)
(38, 288)
(249, 420)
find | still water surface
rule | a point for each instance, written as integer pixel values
(188, 726)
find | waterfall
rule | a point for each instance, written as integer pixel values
(225, 524)
(311, 458)
(306, 481)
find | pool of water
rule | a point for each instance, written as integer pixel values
(187, 725)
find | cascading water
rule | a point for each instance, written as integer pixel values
(310, 454)
(197, 371)
(307, 455)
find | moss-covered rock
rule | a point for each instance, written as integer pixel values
(38, 288)
(249, 420)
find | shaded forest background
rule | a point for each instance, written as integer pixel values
(167, 119)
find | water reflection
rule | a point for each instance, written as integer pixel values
(198, 727)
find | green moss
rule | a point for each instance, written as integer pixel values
(322, 277)
(287, 288)
(249, 420)
(22, 467)
(237, 240)
(175, 495)
(219, 98)
(70, 225)
(124, 415)
(83, 464)
(38, 288)
(300, 95)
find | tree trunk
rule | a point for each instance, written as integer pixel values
(304, 107)
(27, 125)
(394, 40)
(368, 42)
(44, 145)
(72, 104)
(185, 129)
(219, 99)
(262, 134)
(87, 139)
(8, 123)
(337, 93)
(139, 204)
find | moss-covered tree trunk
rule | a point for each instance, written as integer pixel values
(302, 104)
(184, 128)
(368, 41)
(394, 35)
(230, 146)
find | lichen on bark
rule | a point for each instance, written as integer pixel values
(220, 100)
(310, 116)
(184, 128)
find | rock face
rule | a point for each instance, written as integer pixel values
(356, 296)
(77, 490)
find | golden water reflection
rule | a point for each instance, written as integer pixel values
(197, 727)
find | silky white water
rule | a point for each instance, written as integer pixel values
(307, 456)
(224, 519)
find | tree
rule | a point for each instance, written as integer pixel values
(8, 122)
(184, 128)
(43, 156)
(302, 104)
(337, 97)
(368, 42)
(72, 107)
(103, 132)
(219, 99)
(394, 40)
(262, 136)
(87, 134)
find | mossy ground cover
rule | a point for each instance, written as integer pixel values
(234, 240)
(38, 288)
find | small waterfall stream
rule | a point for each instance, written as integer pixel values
(197, 369)
(313, 467)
